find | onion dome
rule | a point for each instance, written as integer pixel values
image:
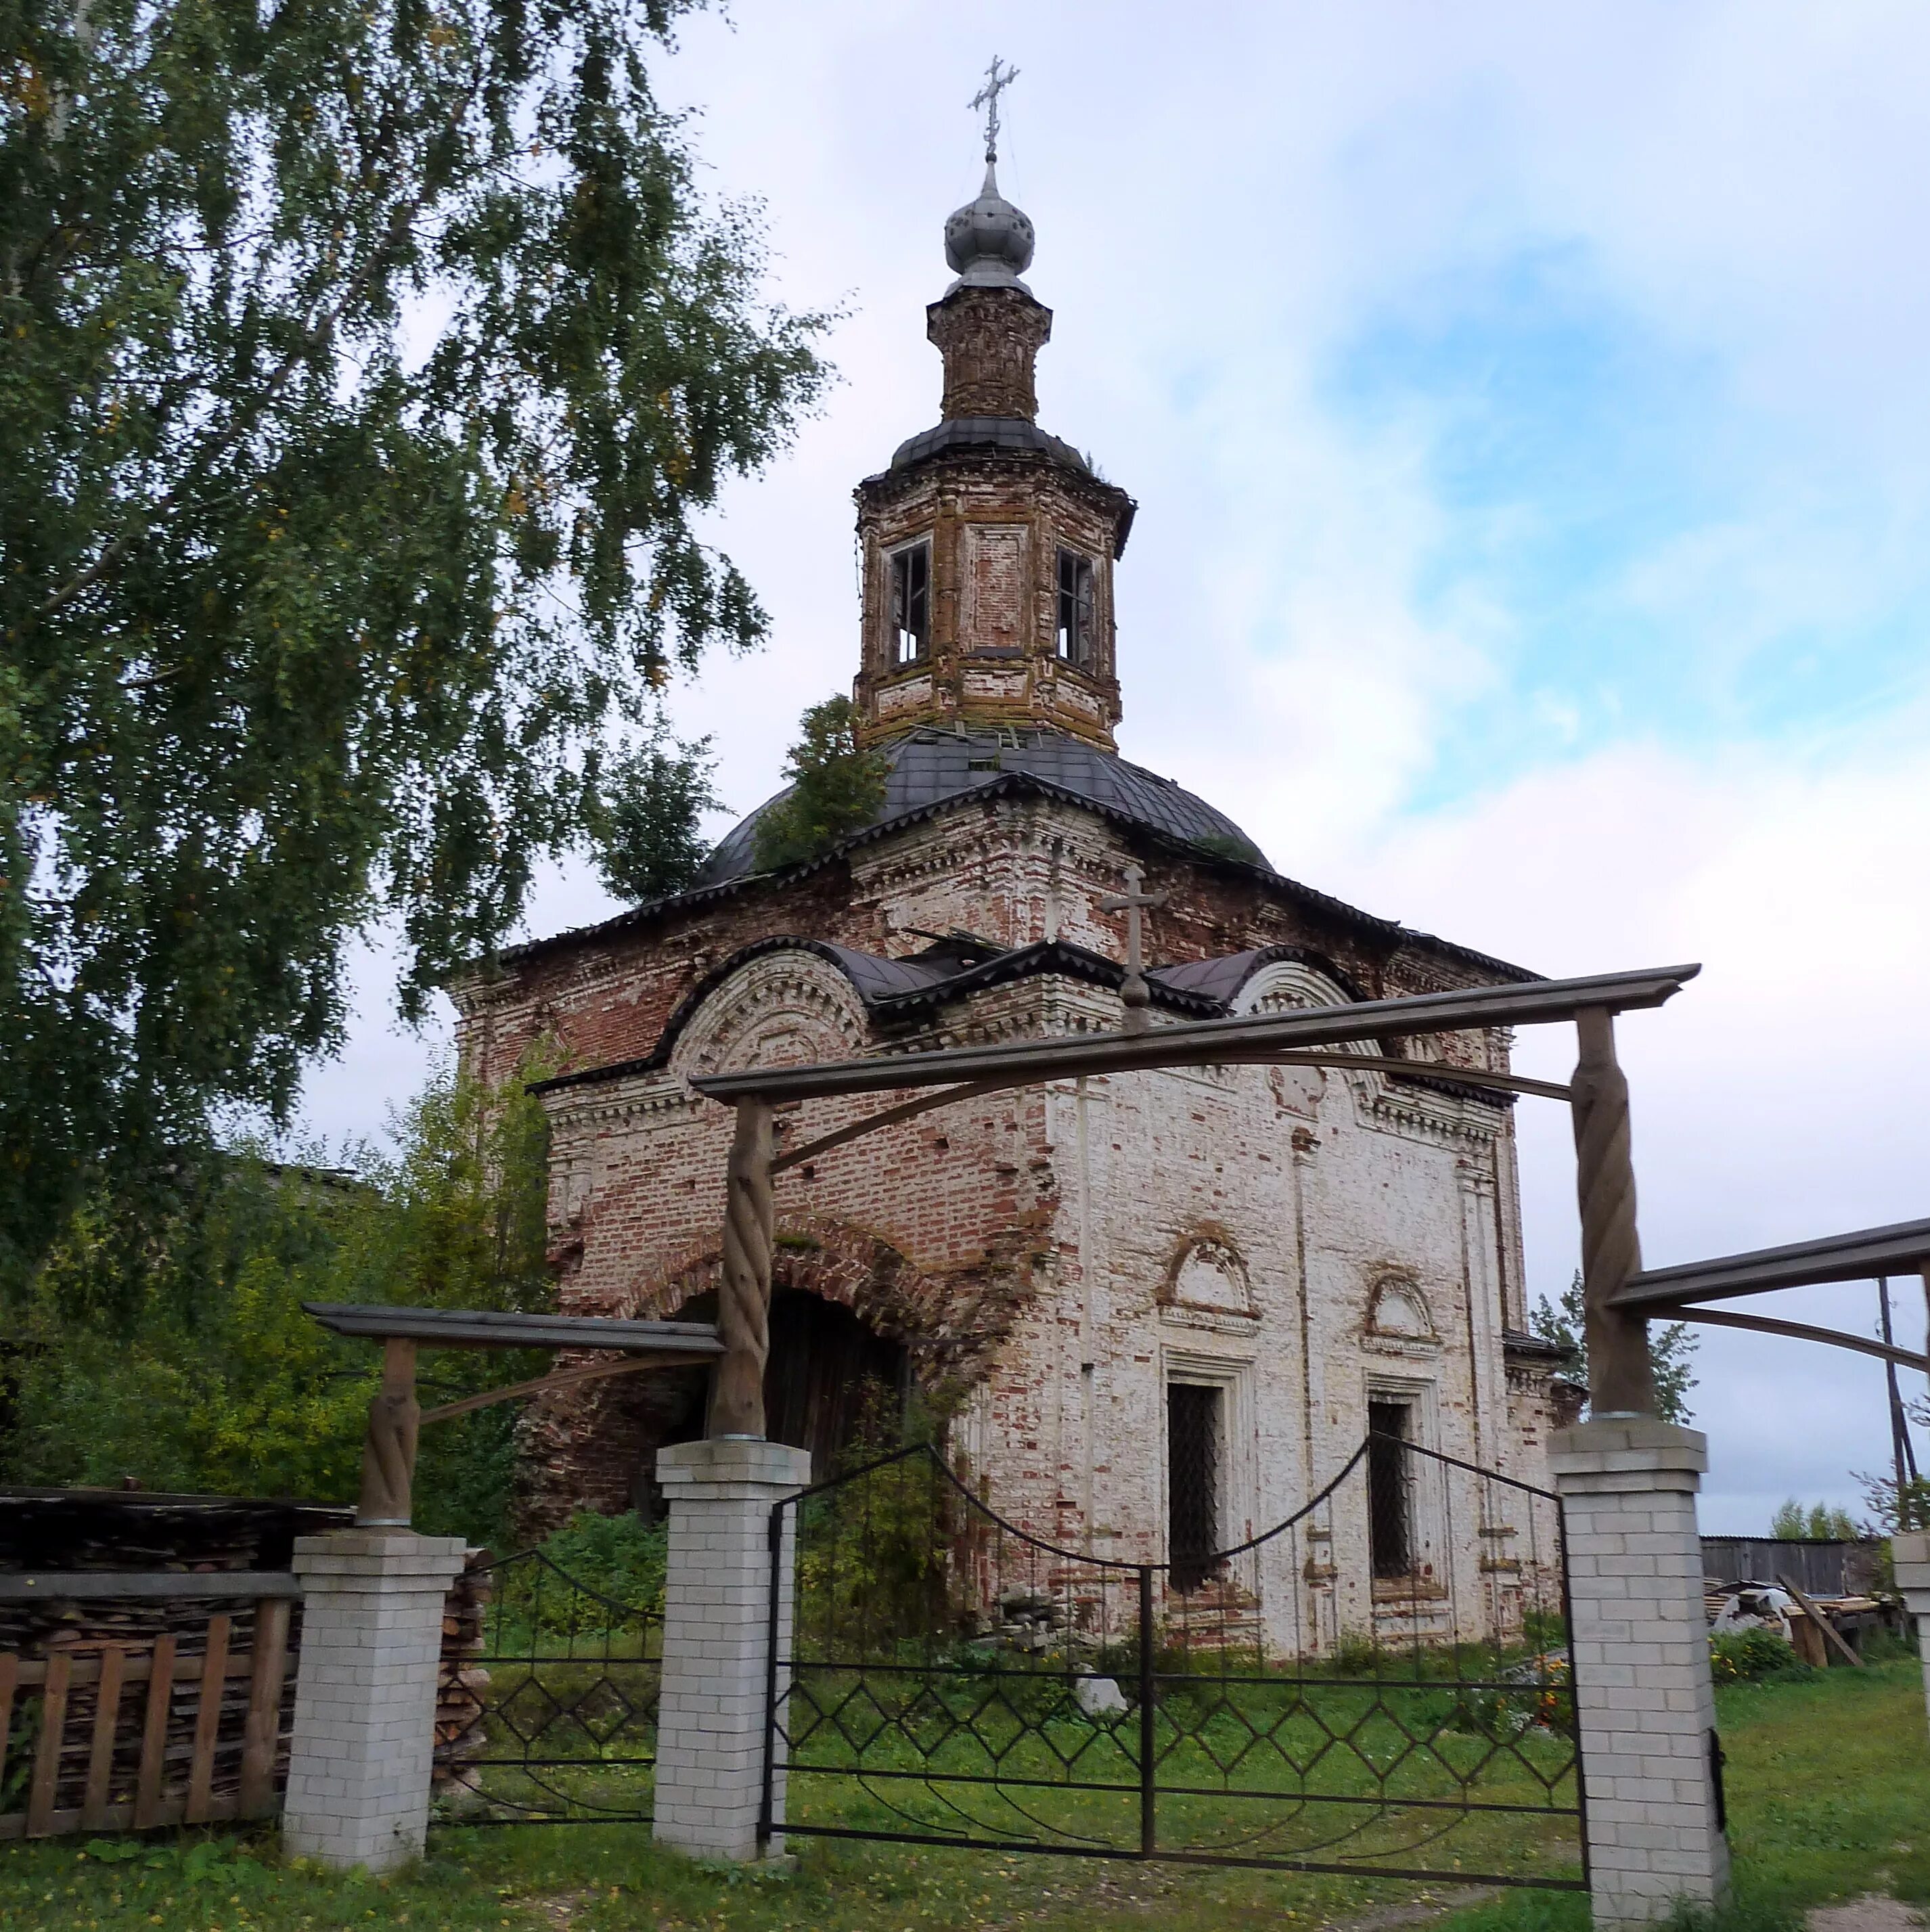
(988, 242)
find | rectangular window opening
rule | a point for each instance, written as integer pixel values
(1390, 1506)
(1193, 1438)
(910, 603)
(1075, 624)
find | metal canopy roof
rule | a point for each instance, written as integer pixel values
(460, 1328)
(1206, 1042)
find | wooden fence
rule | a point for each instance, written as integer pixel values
(1822, 1569)
(185, 1726)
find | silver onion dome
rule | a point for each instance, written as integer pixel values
(988, 242)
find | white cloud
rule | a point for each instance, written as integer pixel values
(1778, 1097)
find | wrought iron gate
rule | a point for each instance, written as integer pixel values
(551, 1719)
(1377, 1685)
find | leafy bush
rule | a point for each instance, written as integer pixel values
(836, 787)
(620, 1558)
(1752, 1657)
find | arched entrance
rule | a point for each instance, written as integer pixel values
(830, 1379)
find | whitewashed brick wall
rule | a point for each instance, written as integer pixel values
(365, 1695)
(717, 1602)
(1640, 1641)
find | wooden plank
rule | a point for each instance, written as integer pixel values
(887, 1116)
(1822, 1623)
(627, 1365)
(462, 1328)
(1796, 1331)
(1860, 1256)
(40, 1793)
(263, 1729)
(1201, 1042)
(81, 1586)
(154, 1734)
(9, 1676)
(100, 1749)
(207, 1719)
(121, 1817)
(86, 1669)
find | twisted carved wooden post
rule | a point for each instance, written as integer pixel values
(389, 1449)
(1620, 1378)
(743, 1301)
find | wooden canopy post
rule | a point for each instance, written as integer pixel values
(389, 1449)
(1621, 1378)
(743, 1302)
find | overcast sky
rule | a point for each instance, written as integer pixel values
(1528, 410)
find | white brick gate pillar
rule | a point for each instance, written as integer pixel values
(1639, 1641)
(716, 1640)
(1910, 1552)
(365, 1695)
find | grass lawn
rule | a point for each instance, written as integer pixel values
(1828, 1785)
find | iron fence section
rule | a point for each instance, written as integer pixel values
(944, 1676)
(555, 1715)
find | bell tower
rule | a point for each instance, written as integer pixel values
(989, 545)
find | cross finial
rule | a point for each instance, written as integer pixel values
(1132, 987)
(987, 98)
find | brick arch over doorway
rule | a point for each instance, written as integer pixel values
(857, 1330)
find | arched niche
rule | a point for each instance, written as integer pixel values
(1208, 1277)
(1397, 1311)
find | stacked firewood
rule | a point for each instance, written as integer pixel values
(461, 1683)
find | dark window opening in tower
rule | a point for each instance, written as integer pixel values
(910, 603)
(1390, 1519)
(1074, 628)
(1192, 1483)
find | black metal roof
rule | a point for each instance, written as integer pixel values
(929, 766)
(987, 433)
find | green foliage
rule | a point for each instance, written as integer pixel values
(1820, 1522)
(189, 1365)
(1671, 1349)
(620, 1558)
(836, 787)
(369, 369)
(644, 835)
(1894, 1506)
(1752, 1656)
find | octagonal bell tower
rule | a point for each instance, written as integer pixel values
(989, 545)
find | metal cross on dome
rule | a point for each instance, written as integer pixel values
(987, 98)
(1133, 988)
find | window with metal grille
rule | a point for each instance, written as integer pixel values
(910, 603)
(1390, 1521)
(1193, 1482)
(1075, 629)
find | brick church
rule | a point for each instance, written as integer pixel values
(1152, 1312)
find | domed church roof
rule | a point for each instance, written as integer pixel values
(928, 767)
(988, 242)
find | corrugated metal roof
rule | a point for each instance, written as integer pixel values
(928, 766)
